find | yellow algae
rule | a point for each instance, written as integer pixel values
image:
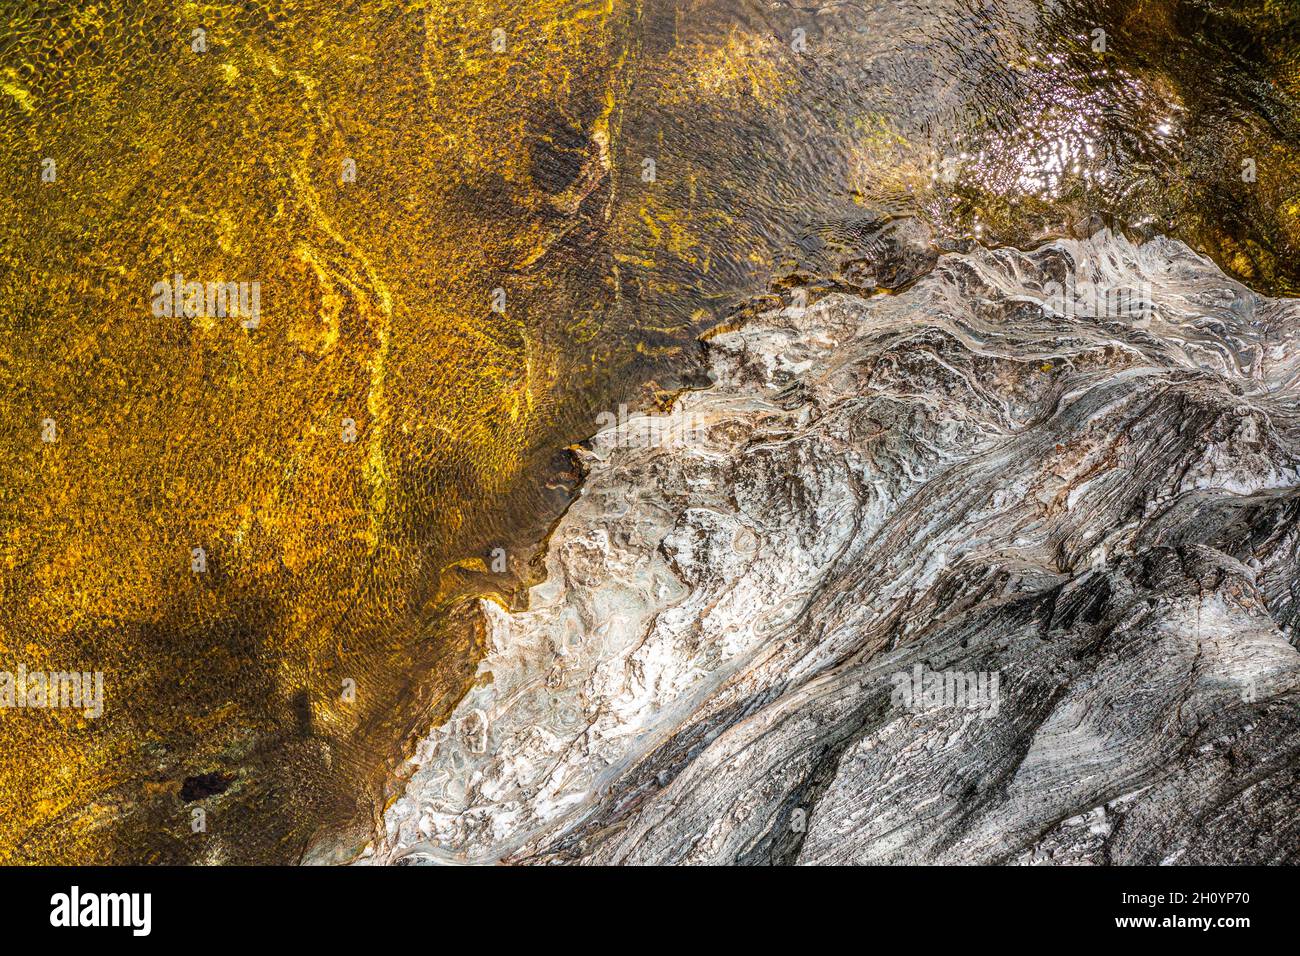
(743, 64)
(322, 554)
(20, 95)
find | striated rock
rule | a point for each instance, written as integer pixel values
(995, 569)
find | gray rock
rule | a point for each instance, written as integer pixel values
(973, 573)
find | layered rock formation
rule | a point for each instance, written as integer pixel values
(1070, 475)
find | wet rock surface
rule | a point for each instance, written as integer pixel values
(1088, 510)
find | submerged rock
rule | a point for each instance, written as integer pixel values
(1002, 568)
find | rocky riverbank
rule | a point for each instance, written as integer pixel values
(1000, 568)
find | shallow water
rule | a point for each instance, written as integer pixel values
(783, 139)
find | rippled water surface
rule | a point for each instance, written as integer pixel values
(628, 175)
